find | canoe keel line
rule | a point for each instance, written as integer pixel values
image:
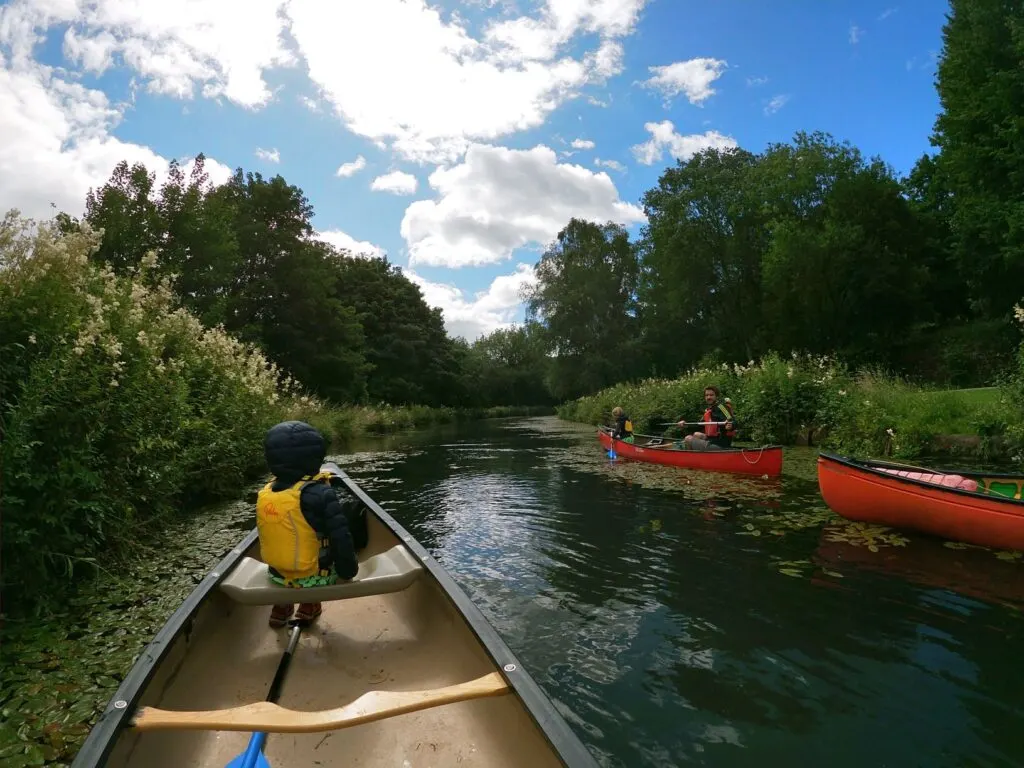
(439, 655)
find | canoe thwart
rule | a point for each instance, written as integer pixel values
(272, 718)
(390, 571)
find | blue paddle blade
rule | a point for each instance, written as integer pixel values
(261, 762)
(253, 755)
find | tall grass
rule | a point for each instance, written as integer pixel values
(788, 399)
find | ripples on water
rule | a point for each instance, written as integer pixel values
(676, 616)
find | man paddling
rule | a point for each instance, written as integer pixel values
(715, 437)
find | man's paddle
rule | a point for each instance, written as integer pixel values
(253, 755)
(692, 423)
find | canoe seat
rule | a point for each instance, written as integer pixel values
(390, 571)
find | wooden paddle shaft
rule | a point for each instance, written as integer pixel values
(272, 718)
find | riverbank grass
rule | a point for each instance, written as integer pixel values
(795, 399)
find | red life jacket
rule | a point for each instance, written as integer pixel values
(711, 430)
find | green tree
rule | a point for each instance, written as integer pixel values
(125, 209)
(702, 249)
(241, 255)
(843, 270)
(932, 203)
(511, 366)
(411, 357)
(201, 249)
(980, 134)
(585, 298)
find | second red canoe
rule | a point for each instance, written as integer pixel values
(747, 461)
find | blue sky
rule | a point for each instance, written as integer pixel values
(412, 87)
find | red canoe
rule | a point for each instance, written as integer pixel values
(976, 508)
(747, 461)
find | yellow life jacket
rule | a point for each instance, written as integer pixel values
(288, 543)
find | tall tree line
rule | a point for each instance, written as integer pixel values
(805, 246)
(810, 246)
(351, 329)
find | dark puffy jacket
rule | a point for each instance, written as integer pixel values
(293, 450)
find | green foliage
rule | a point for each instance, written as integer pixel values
(701, 260)
(804, 246)
(509, 366)
(786, 400)
(411, 360)
(585, 300)
(118, 406)
(981, 88)
(1011, 399)
(239, 255)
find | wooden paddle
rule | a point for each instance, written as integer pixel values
(253, 755)
(266, 716)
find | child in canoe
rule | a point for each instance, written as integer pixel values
(308, 535)
(623, 427)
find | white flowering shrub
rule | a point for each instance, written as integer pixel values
(1011, 400)
(779, 399)
(118, 406)
(776, 398)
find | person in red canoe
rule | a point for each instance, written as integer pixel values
(713, 437)
(309, 533)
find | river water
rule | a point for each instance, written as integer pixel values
(679, 618)
(674, 617)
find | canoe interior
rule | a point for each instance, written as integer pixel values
(408, 640)
(991, 485)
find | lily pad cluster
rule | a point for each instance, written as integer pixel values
(873, 537)
(60, 670)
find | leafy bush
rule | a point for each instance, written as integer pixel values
(780, 400)
(118, 406)
(1011, 400)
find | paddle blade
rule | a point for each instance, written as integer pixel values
(253, 755)
(239, 762)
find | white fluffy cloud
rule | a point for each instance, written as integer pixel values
(55, 141)
(583, 144)
(500, 199)
(396, 182)
(693, 78)
(664, 137)
(486, 312)
(351, 169)
(270, 155)
(776, 103)
(615, 165)
(346, 242)
(459, 89)
(175, 46)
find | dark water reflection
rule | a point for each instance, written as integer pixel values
(677, 618)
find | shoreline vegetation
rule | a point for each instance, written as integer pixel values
(121, 410)
(818, 401)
